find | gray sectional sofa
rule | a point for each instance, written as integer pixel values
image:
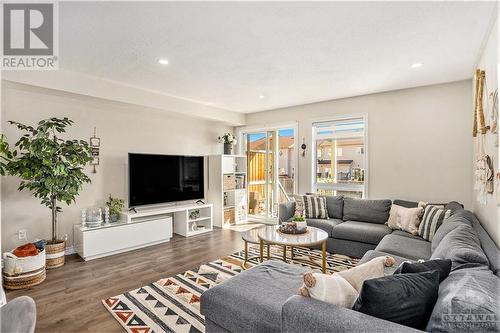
(264, 298)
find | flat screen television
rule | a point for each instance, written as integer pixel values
(156, 179)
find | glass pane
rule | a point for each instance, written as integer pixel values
(340, 160)
(271, 155)
(256, 156)
(286, 164)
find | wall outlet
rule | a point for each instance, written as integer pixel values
(21, 234)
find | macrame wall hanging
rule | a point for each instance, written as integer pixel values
(494, 115)
(483, 167)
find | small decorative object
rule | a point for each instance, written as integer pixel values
(38, 158)
(229, 140)
(303, 146)
(94, 217)
(300, 222)
(291, 228)
(194, 226)
(194, 214)
(106, 215)
(115, 208)
(95, 144)
(84, 217)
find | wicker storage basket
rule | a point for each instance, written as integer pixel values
(229, 182)
(25, 272)
(229, 216)
(55, 254)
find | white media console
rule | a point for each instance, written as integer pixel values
(141, 229)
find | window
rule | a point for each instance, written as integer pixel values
(340, 164)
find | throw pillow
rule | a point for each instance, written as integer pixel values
(315, 207)
(443, 266)
(432, 220)
(407, 219)
(343, 288)
(299, 204)
(406, 299)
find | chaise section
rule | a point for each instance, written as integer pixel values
(252, 300)
(406, 234)
(406, 247)
(364, 232)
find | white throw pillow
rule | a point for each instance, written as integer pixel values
(407, 219)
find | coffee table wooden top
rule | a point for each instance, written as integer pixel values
(271, 235)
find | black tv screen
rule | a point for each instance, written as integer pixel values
(155, 179)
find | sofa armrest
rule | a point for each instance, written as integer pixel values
(302, 314)
(286, 211)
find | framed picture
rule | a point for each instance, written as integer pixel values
(94, 152)
(95, 142)
(95, 161)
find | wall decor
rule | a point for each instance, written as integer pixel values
(303, 146)
(494, 115)
(95, 144)
(480, 79)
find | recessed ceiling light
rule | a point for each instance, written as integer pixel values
(417, 65)
(262, 96)
(163, 61)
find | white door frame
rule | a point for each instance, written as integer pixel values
(239, 133)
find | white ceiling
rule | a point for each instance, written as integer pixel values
(227, 54)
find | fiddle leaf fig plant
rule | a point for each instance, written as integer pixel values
(50, 167)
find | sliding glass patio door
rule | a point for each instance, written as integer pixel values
(271, 168)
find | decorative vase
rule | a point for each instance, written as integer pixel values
(114, 217)
(301, 225)
(54, 254)
(228, 148)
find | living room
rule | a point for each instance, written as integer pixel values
(250, 166)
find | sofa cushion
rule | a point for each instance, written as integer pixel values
(448, 225)
(406, 234)
(364, 232)
(326, 225)
(252, 300)
(462, 246)
(405, 247)
(468, 301)
(335, 206)
(410, 301)
(431, 221)
(443, 266)
(375, 211)
(387, 270)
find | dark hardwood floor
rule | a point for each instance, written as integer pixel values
(70, 298)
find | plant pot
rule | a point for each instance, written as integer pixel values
(301, 225)
(114, 217)
(228, 148)
(55, 254)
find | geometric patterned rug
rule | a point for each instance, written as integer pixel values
(173, 304)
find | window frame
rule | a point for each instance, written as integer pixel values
(313, 185)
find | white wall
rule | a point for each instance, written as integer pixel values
(122, 128)
(489, 214)
(419, 144)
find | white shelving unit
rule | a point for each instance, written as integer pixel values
(185, 226)
(227, 189)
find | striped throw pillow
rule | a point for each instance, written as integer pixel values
(315, 207)
(432, 220)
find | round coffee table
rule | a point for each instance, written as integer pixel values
(313, 236)
(252, 236)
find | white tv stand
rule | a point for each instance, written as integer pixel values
(141, 229)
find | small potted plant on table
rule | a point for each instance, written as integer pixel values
(51, 168)
(300, 222)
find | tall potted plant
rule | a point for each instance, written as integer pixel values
(51, 168)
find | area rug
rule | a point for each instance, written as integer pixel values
(173, 304)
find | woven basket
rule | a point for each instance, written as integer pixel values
(55, 255)
(23, 272)
(229, 182)
(229, 216)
